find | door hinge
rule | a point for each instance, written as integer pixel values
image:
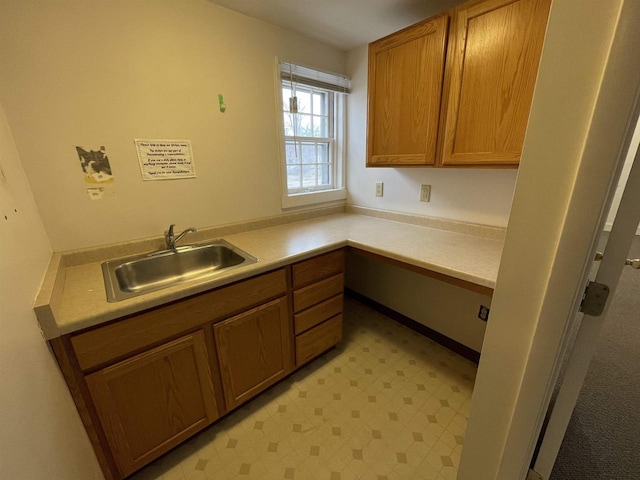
(594, 299)
(533, 475)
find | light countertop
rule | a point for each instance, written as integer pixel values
(74, 296)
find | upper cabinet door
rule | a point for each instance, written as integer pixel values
(405, 89)
(492, 63)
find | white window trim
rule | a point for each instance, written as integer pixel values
(338, 194)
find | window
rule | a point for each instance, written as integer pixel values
(309, 138)
(312, 133)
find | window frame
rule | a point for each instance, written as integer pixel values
(314, 195)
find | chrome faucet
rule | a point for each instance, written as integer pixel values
(171, 239)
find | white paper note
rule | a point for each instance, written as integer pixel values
(165, 159)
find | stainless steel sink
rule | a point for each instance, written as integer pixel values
(130, 276)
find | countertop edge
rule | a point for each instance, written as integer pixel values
(172, 294)
(50, 296)
(47, 305)
(449, 272)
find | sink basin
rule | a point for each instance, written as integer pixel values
(130, 276)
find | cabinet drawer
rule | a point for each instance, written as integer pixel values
(116, 340)
(317, 292)
(318, 314)
(318, 268)
(315, 341)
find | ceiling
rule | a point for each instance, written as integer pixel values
(342, 23)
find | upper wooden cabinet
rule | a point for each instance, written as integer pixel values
(405, 87)
(493, 52)
(492, 64)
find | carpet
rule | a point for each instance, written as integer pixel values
(603, 438)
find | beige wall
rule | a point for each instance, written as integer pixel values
(103, 73)
(41, 434)
(470, 195)
(450, 310)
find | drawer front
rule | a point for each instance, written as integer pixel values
(313, 342)
(318, 314)
(104, 344)
(318, 268)
(317, 292)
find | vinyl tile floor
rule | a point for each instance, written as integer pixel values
(387, 403)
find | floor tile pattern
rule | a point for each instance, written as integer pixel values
(386, 404)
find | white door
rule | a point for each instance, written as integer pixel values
(614, 259)
(557, 208)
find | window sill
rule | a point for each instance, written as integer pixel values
(311, 198)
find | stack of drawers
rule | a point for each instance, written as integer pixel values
(317, 304)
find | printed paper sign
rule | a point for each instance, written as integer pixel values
(165, 159)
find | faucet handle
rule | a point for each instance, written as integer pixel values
(169, 236)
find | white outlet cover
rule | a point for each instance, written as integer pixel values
(425, 193)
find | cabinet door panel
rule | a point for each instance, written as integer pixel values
(254, 350)
(405, 88)
(120, 339)
(492, 65)
(151, 402)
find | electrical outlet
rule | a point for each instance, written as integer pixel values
(425, 193)
(379, 189)
(483, 313)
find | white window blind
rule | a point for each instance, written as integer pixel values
(314, 78)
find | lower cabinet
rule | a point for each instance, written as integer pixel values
(254, 350)
(145, 383)
(151, 402)
(317, 304)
